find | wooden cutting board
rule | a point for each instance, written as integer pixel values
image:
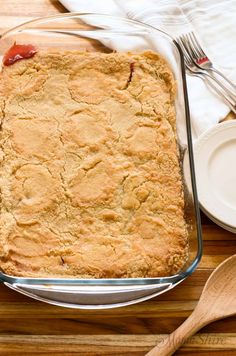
(28, 327)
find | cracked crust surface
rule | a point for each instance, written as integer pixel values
(89, 177)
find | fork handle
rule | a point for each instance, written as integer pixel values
(221, 94)
(224, 77)
(209, 80)
(231, 95)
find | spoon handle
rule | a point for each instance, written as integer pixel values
(189, 327)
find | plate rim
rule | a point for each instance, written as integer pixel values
(206, 202)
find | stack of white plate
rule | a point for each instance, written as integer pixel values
(215, 168)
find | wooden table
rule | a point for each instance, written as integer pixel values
(33, 328)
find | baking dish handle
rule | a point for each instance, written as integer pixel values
(91, 297)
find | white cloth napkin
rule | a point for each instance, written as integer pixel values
(212, 20)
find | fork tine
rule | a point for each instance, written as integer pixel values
(195, 45)
(181, 43)
(188, 47)
(198, 45)
(191, 48)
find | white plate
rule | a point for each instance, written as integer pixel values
(220, 223)
(215, 165)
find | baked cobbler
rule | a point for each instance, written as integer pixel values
(90, 177)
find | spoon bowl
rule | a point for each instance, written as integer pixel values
(219, 294)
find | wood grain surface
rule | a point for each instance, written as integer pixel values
(28, 327)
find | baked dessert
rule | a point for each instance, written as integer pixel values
(90, 179)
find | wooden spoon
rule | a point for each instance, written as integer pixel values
(218, 301)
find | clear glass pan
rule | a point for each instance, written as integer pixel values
(103, 33)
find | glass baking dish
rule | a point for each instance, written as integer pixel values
(103, 33)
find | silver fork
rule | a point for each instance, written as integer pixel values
(201, 59)
(195, 70)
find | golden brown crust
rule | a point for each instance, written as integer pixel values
(90, 181)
